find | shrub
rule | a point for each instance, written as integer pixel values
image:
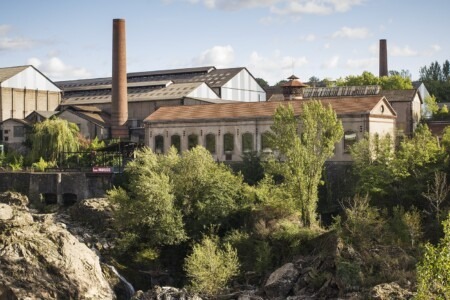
(41, 165)
(433, 272)
(210, 268)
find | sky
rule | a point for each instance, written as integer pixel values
(273, 39)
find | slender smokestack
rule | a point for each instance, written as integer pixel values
(383, 59)
(119, 111)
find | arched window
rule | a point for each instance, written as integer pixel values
(350, 137)
(192, 141)
(228, 142)
(265, 145)
(175, 141)
(210, 143)
(159, 144)
(247, 142)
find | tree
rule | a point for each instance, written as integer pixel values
(209, 267)
(53, 137)
(430, 107)
(437, 193)
(437, 80)
(263, 83)
(146, 215)
(314, 81)
(394, 82)
(433, 272)
(305, 155)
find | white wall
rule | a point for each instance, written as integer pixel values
(203, 91)
(30, 79)
(243, 87)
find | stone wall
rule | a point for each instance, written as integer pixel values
(56, 187)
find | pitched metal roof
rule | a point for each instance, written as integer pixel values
(135, 94)
(254, 110)
(399, 95)
(216, 78)
(6, 73)
(92, 114)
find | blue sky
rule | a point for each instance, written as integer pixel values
(272, 38)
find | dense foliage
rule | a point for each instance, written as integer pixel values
(392, 82)
(52, 137)
(304, 155)
(437, 80)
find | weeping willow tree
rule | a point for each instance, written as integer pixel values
(53, 137)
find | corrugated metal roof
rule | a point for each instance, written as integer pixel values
(216, 78)
(173, 91)
(342, 105)
(6, 73)
(399, 95)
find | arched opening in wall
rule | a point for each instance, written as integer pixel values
(69, 199)
(228, 145)
(50, 198)
(159, 144)
(247, 143)
(265, 143)
(192, 141)
(350, 138)
(175, 141)
(210, 143)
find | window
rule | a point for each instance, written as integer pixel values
(175, 141)
(265, 145)
(350, 137)
(210, 143)
(19, 131)
(228, 143)
(159, 144)
(247, 142)
(192, 141)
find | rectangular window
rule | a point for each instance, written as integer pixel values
(19, 131)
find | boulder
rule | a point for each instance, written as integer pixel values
(95, 212)
(13, 198)
(390, 291)
(165, 293)
(40, 259)
(281, 282)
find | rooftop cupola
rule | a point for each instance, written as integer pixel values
(293, 89)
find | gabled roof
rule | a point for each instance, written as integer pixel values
(255, 110)
(43, 113)
(23, 122)
(217, 77)
(92, 114)
(6, 73)
(172, 91)
(400, 95)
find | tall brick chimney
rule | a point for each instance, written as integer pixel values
(383, 59)
(119, 109)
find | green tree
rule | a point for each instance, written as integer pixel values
(394, 82)
(145, 214)
(437, 80)
(430, 107)
(304, 156)
(207, 192)
(314, 81)
(263, 83)
(210, 267)
(433, 272)
(53, 137)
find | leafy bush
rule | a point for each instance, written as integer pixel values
(210, 268)
(433, 272)
(41, 165)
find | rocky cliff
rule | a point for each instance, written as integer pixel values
(40, 259)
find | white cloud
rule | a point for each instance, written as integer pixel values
(326, 46)
(351, 33)
(283, 7)
(308, 38)
(219, 56)
(433, 50)
(399, 51)
(331, 63)
(56, 69)
(363, 63)
(15, 43)
(316, 7)
(276, 67)
(4, 29)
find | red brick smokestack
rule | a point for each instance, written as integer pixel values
(383, 59)
(119, 109)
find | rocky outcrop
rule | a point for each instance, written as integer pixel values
(40, 259)
(390, 291)
(281, 282)
(165, 293)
